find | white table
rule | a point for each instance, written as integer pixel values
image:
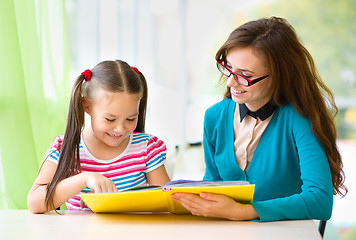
(21, 224)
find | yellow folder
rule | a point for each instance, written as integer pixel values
(158, 199)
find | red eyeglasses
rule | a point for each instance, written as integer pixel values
(242, 80)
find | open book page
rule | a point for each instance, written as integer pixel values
(187, 183)
(202, 183)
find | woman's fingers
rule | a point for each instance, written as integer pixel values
(192, 202)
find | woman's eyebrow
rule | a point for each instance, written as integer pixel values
(245, 70)
(240, 69)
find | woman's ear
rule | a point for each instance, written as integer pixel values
(85, 103)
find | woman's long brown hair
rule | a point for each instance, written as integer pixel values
(295, 80)
(115, 76)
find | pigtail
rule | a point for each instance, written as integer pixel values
(143, 106)
(69, 161)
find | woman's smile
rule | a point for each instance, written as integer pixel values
(237, 93)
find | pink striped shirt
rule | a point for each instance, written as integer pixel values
(143, 154)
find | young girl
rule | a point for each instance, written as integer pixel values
(273, 129)
(112, 152)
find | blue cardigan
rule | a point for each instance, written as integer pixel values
(289, 167)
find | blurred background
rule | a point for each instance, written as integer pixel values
(46, 44)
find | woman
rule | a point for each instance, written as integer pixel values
(273, 129)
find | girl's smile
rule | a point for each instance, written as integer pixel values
(114, 135)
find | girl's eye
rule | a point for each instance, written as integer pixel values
(109, 120)
(131, 119)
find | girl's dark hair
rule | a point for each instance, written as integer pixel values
(295, 80)
(114, 76)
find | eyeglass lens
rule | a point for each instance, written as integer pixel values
(227, 73)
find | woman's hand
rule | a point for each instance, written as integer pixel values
(215, 205)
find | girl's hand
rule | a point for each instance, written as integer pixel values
(215, 205)
(99, 183)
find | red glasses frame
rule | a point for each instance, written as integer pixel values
(236, 75)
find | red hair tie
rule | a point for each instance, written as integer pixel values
(87, 75)
(136, 70)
